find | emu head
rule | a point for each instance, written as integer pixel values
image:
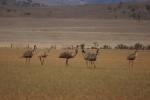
(35, 47)
(77, 48)
(48, 50)
(83, 51)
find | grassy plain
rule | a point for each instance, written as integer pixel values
(49, 31)
(113, 79)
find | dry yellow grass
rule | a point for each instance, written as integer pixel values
(112, 79)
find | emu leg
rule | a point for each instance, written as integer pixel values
(29, 61)
(129, 63)
(26, 61)
(87, 63)
(132, 63)
(41, 61)
(94, 65)
(91, 64)
(66, 62)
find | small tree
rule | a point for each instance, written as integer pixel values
(133, 15)
(4, 2)
(29, 1)
(8, 10)
(130, 47)
(106, 47)
(130, 6)
(129, 15)
(138, 46)
(115, 9)
(121, 46)
(95, 45)
(120, 5)
(109, 8)
(133, 9)
(138, 16)
(123, 12)
(148, 47)
(82, 46)
(147, 7)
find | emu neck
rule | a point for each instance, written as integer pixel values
(48, 51)
(83, 51)
(136, 53)
(75, 54)
(33, 50)
(97, 52)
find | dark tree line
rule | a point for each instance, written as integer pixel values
(138, 46)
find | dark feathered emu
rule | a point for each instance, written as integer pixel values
(131, 57)
(67, 55)
(28, 54)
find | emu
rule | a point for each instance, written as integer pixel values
(28, 54)
(131, 57)
(91, 57)
(86, 56)
(68, 55)
(43, 55)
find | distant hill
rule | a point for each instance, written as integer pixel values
(60, 2)
(133, 11)
(79, 2)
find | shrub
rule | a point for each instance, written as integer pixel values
(109, 8)
(147, 7)
(106, 47)
(138, 46)
(82, 46)
(121, 46)
(123, 12)
(8, 10)
(28, 13)
(114, 9)
(148, 47)
(129, 15)
(4, 2)
(130, 47)
(120, 5)
(95, 45)
(130, 6)
(133, 9)
(138, 16)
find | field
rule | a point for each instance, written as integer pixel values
(48, 31)
(112, 79)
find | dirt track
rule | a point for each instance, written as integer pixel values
(48, 31)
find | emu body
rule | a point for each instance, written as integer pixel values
(68, 55)
(90, 57)
(28, 54)
(131, 57)
(42, 55)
